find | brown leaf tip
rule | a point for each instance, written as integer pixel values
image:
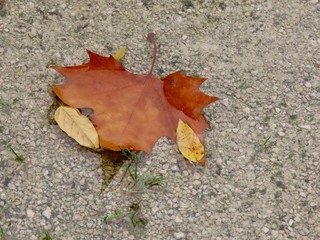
(2, 4)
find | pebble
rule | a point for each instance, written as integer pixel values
(155, 209)
(47, 213)
(232, 210)
(59, 175)
(235, 130)
(178, 219)
(265, 229)
(274, 233)
(179, 235)
(225, 102)
(175, 168)
(308, 127)
(290, 222)
(197, 182)
(30, 213)
(308, 84)
(196, 176)
(303, 194)
(53, 136)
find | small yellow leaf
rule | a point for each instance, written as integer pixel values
(119, 54)
(77, 126)
(189, 143)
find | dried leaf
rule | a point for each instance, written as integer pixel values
(133, 111)
(189, 143)
(77, 126)
(119, 54)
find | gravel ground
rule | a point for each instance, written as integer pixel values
(261, 180)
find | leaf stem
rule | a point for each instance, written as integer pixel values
(151, 39)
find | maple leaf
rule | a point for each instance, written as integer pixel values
(133, 111)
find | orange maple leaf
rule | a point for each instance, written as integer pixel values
(133, 111)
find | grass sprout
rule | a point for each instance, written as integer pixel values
(116, 215)
(46, 236)
(2, 234)
(154, 181)
(133, 215)
(132, 167)
(138, 181)
(18, 158)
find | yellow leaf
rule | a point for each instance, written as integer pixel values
(189, 143)
(77, 126)
(119, 54)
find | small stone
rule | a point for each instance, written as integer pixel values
(265, 229)
(306, 127)
(235, 130)
(197, 182)
(303, 194)
(77, 217)
(59, 175)
(178, 219)
(247, 110)
(30, 213)
(179, 235)
(24, 114)
(174, 168)
(290, 222)
(308, 84)
(274, 233)
(165, 166)
(196, 176)
(281, 134)
(155, 209)
(184, 37)
(313, 204)
(47, 213)
(53, 136)
(232, 210)
(225, 102)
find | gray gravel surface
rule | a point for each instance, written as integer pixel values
(261, 180)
